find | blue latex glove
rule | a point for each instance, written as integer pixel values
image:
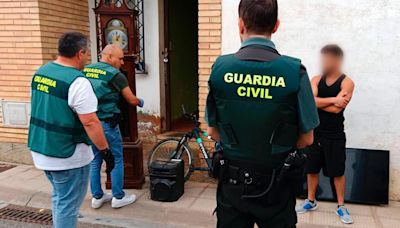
(141, 102)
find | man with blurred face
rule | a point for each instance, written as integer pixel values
(332, 91)
(63, 125)
(109, 83)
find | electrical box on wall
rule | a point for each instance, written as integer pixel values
(15, 114)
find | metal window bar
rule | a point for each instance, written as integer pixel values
(137, 5)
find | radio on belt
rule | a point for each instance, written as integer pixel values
(167, 180)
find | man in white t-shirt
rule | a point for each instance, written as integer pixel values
(63, 126)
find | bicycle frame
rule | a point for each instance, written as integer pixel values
(197, 134)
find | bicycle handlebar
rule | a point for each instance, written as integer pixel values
(193, 116)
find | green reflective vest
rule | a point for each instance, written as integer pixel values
(100, 74)
(54, 128)
(256, 105)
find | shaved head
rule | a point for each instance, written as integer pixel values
(113, 55)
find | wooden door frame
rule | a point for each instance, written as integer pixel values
(165, 104)
(165, 44)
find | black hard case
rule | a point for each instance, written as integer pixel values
(166, 180)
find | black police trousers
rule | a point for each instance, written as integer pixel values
(274, 210)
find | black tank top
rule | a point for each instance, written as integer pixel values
(331, 124)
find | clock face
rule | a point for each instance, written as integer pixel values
(118, 37)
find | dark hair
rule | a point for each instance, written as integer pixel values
(259, 16)
(71, 43)
(333, 49)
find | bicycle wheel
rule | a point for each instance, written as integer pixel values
(166, 150)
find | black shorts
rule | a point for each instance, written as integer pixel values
(328, 154)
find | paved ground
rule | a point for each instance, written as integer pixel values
(23, 185)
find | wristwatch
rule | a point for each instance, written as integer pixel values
(105, 151)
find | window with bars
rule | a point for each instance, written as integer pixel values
(138, 6)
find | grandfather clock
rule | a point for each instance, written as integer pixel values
(116, 24)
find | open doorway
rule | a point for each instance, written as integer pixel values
(180, 62)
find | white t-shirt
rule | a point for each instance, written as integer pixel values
(82, 100)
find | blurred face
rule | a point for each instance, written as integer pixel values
(116, 59)
(331, 63)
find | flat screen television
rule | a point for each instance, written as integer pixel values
(367, 178)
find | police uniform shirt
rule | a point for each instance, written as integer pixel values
(119, 82)
(263, 50)
(82, 100)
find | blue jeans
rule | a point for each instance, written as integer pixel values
(114, 139)
(69, 190)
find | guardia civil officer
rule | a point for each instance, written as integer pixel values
(109, 83)
(261, 106)
(63, 124)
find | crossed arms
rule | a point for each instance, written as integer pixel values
(333, 104)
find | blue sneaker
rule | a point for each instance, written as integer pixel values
(306, 206)
(344, 215)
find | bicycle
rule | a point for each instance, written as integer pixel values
(172, 148)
